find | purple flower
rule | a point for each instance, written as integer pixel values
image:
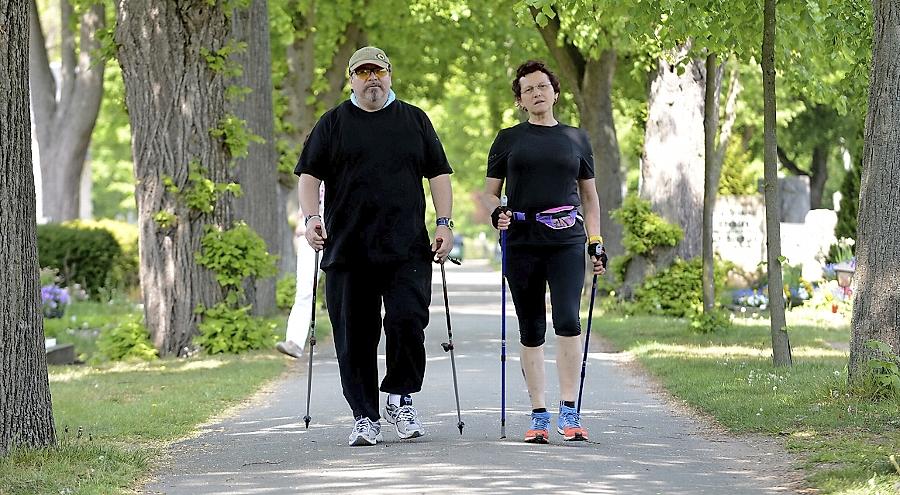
(53, 296)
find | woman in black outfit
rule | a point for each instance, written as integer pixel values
(548, 168)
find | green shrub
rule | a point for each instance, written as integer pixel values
(677, 290)
(128, 340)
(644, 229)
(883, 374)
(236, 254)
(285, 292)
(126, 270)
(85, 256)
(225, 329)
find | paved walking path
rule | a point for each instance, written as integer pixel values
(639, 443)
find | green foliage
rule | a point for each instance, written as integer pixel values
(112, 170)
(85, 256)
(285, 292)
(235, 254)
(618, 266)
(165, 219)
(227, 329)
(739, 176)
(846, 217)
(713, 321)
(126, 269)
(644, 229)
(220, 61)
(236, 134)
(677, 291)
(200, 194)
(884, 373)
(128, 340)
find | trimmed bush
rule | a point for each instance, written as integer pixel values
(126, 270)
(285, 292)
(84, 256)
(677, 290)
(129, 340)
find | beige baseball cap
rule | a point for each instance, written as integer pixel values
(369, 55)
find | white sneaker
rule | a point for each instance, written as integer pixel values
(406, 419)
(366, 432)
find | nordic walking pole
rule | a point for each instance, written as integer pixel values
(448, 346)
(503, 202)
(312, 338)
(587, 339)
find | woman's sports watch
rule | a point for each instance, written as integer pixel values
(445, 221)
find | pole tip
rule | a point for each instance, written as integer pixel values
(460, 425)
(306, 419)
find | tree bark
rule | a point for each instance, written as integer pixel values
(26, 415)
(65, 111)
(591, 83)
(876, 298)
(781, 346)
(174, 99)
(257, 173)
(672, 165)
(712, 173)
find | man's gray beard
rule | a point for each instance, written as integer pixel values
(373, 94)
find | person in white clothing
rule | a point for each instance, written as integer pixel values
(301, 312)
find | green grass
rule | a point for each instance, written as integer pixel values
(83, 322)
(114, 421)
(843, 439)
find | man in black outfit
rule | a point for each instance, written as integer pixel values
(372, 152)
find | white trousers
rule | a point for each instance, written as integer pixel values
(301, 311)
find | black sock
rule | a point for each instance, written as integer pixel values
(569, 403)
(539, 410)
(406, 400)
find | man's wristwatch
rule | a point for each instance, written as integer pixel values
(445, 221)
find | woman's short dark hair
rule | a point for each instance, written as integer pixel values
(529, 67)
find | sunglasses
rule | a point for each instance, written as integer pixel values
(365, 73)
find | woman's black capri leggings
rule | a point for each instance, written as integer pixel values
(529, 270)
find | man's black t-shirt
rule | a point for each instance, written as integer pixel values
(373, 164)
(541, 166)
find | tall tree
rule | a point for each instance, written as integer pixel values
(26, 416)
(257, 173)
(672, 168)
(715, 144)
(65, 109)
(314, 42)
(171, 53)
(781, 346)
(876, 301)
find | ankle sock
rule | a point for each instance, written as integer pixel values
(398, 400)
(539, 410)
(568, 403)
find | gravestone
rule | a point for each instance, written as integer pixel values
(793, 195)
(739, 230)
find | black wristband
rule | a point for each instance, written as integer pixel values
(495, 215)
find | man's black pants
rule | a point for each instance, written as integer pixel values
(354, 296)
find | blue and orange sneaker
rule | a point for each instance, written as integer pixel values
(569, 424)
(540, 428)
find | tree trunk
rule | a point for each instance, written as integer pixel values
(714, 157)
(174, 99)
(876, 298)
(591, 83)
(26, 415)
(781, 345)
(672, 165)
(712, 173)
(819, 175)
(65, 111)
(258, 171)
